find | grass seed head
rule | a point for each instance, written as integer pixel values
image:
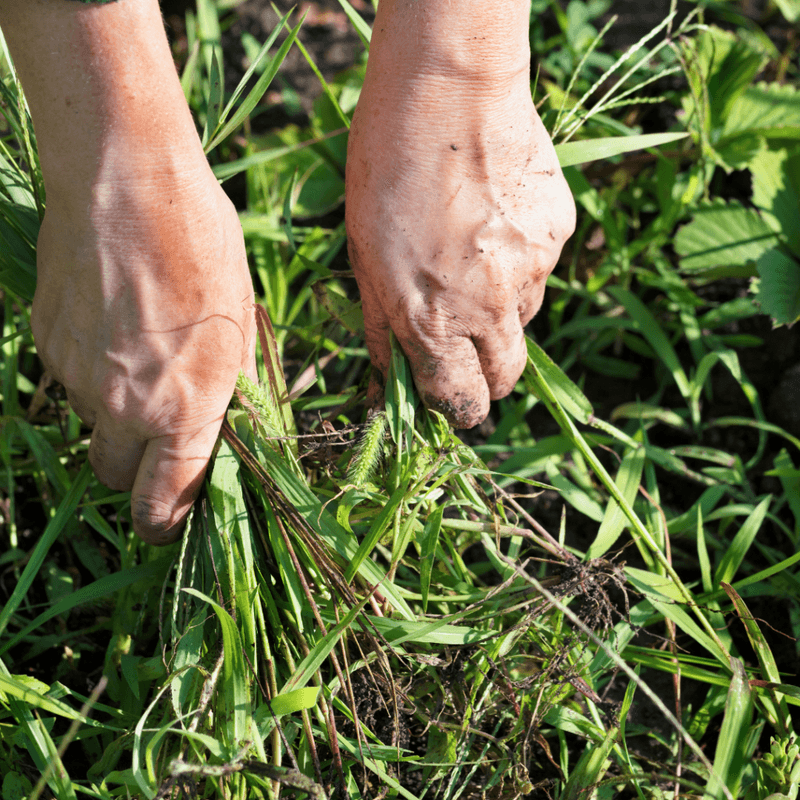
(368, 452)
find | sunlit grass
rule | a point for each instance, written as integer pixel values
(368, 606)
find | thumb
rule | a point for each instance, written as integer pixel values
(168, 481)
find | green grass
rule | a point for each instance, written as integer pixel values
(590, 598)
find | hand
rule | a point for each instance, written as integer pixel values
(144, 303)
(456, 214)
(144, 311)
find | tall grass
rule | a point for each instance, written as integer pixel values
(369, 606)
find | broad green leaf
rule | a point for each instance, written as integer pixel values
(723, 66)
(776, 189)
(770, 109)
(739, 151)
(571, 153)
(779, 286)
(723, 234)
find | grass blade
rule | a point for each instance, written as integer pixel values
(359, 23)
(427, 547)
(769, 669)
(737, 549)
(262, 84)
(234, 673)
(730, 756)
(655, 336)
(62, 516)
(572, 153)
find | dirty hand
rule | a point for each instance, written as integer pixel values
(144, 303)
(456, 206)
(144, 311)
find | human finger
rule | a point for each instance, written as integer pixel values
(448, 376)
(502, 355)
(168, 481)
(115, 455)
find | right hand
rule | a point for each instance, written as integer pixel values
(144, 310)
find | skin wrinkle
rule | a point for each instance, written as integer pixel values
(144, 302)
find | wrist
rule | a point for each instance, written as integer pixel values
(103, 91)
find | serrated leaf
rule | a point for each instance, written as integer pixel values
(731, 75)
(770, 109)
(723, 234)
(738, 152)
(723, 66)
(779, 288)
(776, 189)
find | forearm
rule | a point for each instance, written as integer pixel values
(482, 42)
(101, 85)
